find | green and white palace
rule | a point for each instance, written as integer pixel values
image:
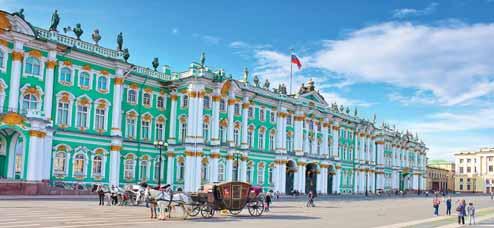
(74, 111)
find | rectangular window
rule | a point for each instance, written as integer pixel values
(185, 101)
(160, 103)
(469, 169)
(146, 99)
(289, 120)
(251, 113)
(236, 109)
(82, 116)
(63, 113)
(131, 126)
(100, 119)
(222, 105)
(490, 168)
(159, 131)
(261, 114)
(273, 117)
(145, 130)
(131, 96)
(461, 187)
(206, 102)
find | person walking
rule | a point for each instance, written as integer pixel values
(435, 204)
(471, 213)
(267, 201)
(114, 196)
(310, 199)
(460, 209)
(492, 195)
(448, 206)
(101, 195)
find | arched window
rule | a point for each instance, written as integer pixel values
(102, 83)
(82, 116)
(100, 118)
(144, 170)
(236, 136)
(146, 99)
(205, 132)
(1, 59)
(185, 101)
(97, 166)
(131, 127)
(79, 165)
(249, 172)
(33, 66)
(66, 75)
(260, 174)
(160, 102)
(289, 144)
(180, 170)
(221, 171)
(204, 171)
(129, 168)
(131, 96)
(272, 141)
(84, 79)
(260, 140)
(145, 130)
(159, 129)
(30, 102)
(183, 131)
(222, 135)
(59, 165)
(250, 140)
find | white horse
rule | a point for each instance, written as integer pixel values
(136, 191)
(178, 200)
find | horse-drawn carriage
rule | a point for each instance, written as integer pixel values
(230, 196)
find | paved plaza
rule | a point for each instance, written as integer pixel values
(401, 212)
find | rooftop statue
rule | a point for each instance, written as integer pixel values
(283, 89)
(96, 36)
(119, 42)
(342, 108)
(374, 118)
(202, 60)
(256, 81)
(156, 63)
(266, 84)
(302, 89)
(78, 31)
(55, 20)
(347, 110)
(246, 75)
(355, 113)
(126, 54)
(19, 13)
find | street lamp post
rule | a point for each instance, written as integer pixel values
(160, 144)
(237, 156)
(366, 176)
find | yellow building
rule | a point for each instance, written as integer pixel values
(437, 179)
(475, 171)
(445, 165)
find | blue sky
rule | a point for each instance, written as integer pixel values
(426, 66)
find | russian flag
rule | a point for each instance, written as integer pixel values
(296, 61)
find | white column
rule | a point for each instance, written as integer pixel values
(229, 167)
(296, 179)
(336, 133)
(215, 155)
(115, 148)
(243, 169)
(170, 167)
(48, 141)
(358, 156)
(325, 135)
(298, 134)
(338, 179)
(282, 177)
(189, 172)
(117, 103)
(324, 182)
(215, 120)
(231, 107)
(319, 182)
(173, 119)
(48, 97)
(315, 141)
(15, 77)
(245, 123)
(35, 155)
(302, 179)
(306, 138)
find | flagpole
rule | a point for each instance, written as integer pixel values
(291, 70)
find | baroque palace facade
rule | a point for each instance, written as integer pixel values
(74, 111)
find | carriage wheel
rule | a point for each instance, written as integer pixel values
(256, 208)
(195, 211)
(235, 212)
(207, 211)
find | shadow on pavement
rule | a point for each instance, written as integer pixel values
(247, 217)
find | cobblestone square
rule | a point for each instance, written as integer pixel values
(399, 212)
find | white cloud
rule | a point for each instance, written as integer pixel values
(418, 98)
(444, 122)
(208, 38)
(334, 97)
(405, 12)
(452, 61)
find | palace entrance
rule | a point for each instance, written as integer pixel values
(330, 181)
(291, 169)
(311, 178)
(12, 154)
